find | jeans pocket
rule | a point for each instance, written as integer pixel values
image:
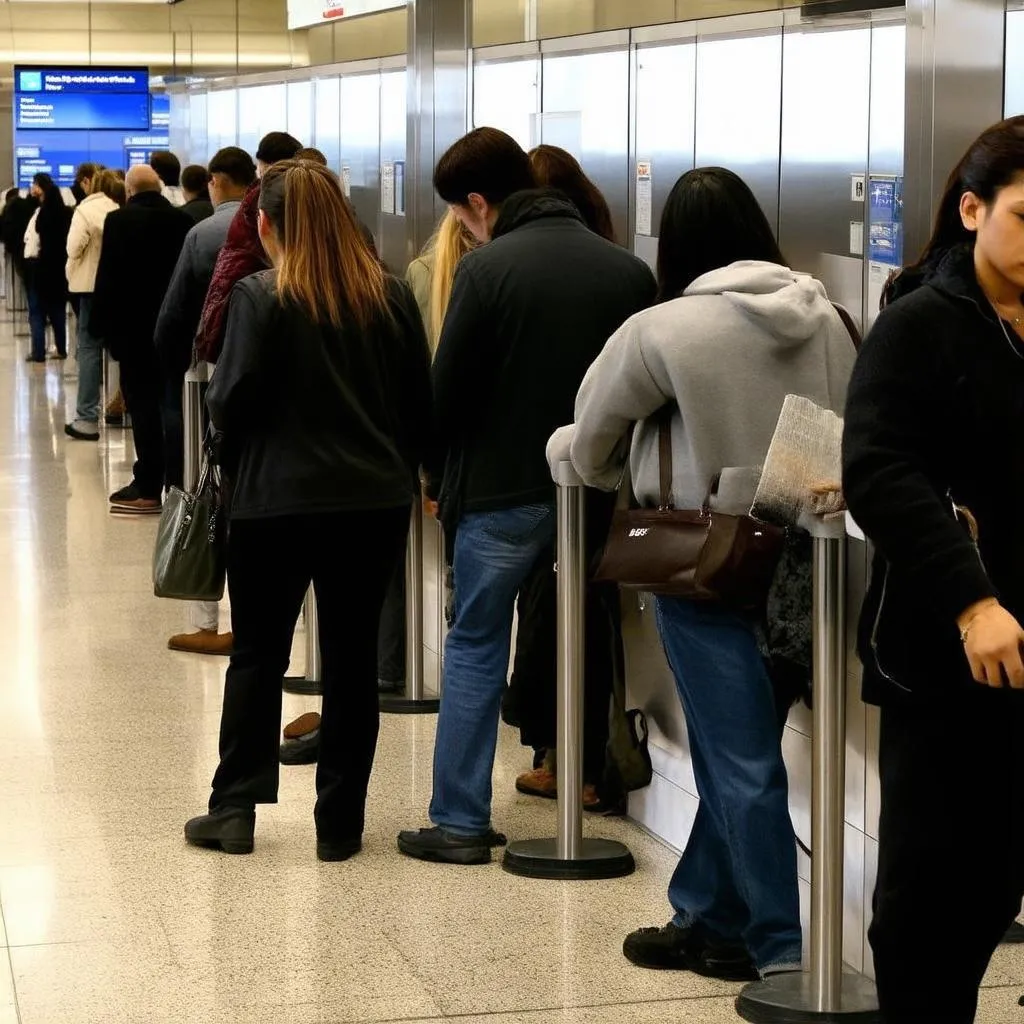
(517, 525)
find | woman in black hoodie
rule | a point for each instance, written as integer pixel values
(934, 474)
(45, 278)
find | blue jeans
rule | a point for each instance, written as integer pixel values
(90, 366)
(494, 553)
(40, 310)
(737, 877)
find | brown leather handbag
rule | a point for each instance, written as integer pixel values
(697, 554)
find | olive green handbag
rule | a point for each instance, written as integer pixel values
(190, 558)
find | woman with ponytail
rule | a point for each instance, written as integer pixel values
(322, 398)
(934, 474)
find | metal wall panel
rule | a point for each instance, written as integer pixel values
(506, 95)
(393, 248)
(825, 104)
(585, 110)
(739, 115)
(665, 92)
(955, 61)
(327, 120)
(360, 145)
(1013, 100)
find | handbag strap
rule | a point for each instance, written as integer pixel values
(848, 323)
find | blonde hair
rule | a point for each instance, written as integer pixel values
(110, 185)
(326, 267)
(450, 243)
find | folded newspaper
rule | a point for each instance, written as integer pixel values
(801, 476)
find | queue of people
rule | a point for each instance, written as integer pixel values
(526, 332)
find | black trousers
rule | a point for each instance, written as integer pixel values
(349, 558)
(534, 683)
(142, 387)
(391, 639)
(951, 851)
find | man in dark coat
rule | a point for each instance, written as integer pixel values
(141, 245)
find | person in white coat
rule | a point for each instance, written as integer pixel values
(735, 331)
(84, 243)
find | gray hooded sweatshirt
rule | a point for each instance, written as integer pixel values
(726, 354)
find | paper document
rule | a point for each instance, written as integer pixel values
(805, 452)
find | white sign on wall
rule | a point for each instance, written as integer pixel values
(304, 13)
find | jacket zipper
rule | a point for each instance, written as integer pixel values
(874, 634)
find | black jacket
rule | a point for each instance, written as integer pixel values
(141, 244)
(16, 219)
(529, 313)
(935, 418)
(316, 418)
(47, 273)
(198, 209)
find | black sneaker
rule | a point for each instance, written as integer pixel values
(441, 846)
(131, 501)
(672, 948)
(227, 828)
(301, 750)
(80, 435)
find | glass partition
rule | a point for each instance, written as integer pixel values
(261, 109)
(300, 111)
(222, 120)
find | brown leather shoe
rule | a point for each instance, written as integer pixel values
(205, 641)
(539, 782)
(302, 726)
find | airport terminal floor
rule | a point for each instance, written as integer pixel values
(107, 743)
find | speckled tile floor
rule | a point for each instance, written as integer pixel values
(107, 744)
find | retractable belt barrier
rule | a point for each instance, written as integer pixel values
(414, 701)
(825, 993)
(569, 855)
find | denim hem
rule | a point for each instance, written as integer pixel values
(464, 833)
(781, 967)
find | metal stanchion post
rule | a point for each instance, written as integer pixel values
(193, 392)
(825, 993)
(312, 682)
(569, 855)
(414, 701)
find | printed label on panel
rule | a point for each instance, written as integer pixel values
(644, 197)
(387, 187)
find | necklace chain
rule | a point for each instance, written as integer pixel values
(1017, 322)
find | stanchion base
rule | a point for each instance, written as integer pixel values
(787, 999)
(399, 704)
(302, 686)
(599, 858)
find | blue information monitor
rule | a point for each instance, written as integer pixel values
(65, 116)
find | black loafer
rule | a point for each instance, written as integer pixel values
(672, 948)
(79, 435)
(440, 846)
(302, 749)
(337, 849)
(227, 828)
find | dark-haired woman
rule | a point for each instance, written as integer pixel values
(935, 423)
(46, 253)
(735, 332)
(322, 394)
(554, 167)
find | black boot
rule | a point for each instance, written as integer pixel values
(681, 949)
(227, 828)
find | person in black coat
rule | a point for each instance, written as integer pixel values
(529, 313)
(323, 439)
(17, 216)
(45, 279)
(141, 245)
(933, 457)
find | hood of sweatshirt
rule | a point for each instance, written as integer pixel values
(788, 305)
